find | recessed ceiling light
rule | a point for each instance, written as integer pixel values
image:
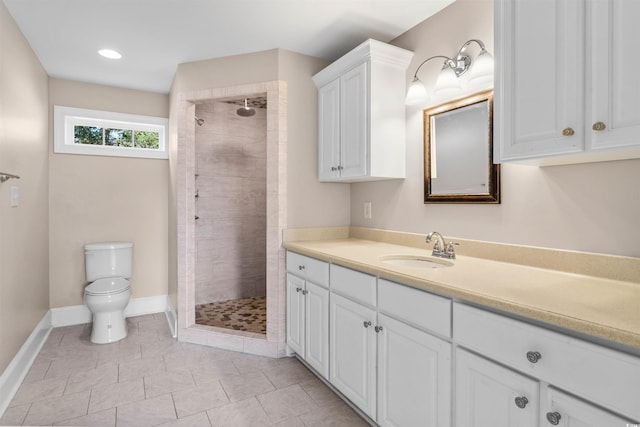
(111, 54)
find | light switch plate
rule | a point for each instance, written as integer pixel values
(15, 196)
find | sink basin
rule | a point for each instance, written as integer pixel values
(415, 261)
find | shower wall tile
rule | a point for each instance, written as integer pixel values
(231, 163)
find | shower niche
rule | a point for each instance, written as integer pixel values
(230, 199)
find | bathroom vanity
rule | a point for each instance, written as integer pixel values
(474, 342)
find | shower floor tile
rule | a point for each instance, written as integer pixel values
(245, 314)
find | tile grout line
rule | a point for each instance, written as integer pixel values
(175, 410)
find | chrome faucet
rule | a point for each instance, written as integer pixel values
(441, 249)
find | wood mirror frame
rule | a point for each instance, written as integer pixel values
(458, 152)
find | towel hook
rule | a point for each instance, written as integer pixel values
(7, 176)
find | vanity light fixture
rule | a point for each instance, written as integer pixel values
(448, 82)
(110, 53)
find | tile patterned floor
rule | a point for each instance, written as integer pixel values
(150, 379)
(245, 314)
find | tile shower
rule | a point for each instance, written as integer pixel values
(230, 210)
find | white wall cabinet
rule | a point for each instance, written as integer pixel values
(308, 311)
(361, 114)
(566, 90)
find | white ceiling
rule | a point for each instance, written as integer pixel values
(154, 36)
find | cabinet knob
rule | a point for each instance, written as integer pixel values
(340, 168)
(521, 402)
(553, 418)
(298, 289)
(301, 267)
(333, 168)
(377, 329)
(568, 131)
(367, 323)
(533, 356)
(305, 292)
(598, 126)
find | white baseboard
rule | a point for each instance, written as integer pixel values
(172, 318)
(78, 314)
(13, 375)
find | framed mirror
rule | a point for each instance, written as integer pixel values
(458, 152)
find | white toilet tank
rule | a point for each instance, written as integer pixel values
(108, 259)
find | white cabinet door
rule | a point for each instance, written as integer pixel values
(540, 78)
(486, 394)
(329, 131)
(353, 352)
(317, 328)
(295, 314)
(564, 410)
(353, 108)
(414, 376)
(614, 73)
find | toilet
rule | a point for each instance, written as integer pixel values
(108, 265)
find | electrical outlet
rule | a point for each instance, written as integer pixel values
(367, 210)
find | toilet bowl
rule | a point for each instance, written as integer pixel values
(107, 299)
(108, 265)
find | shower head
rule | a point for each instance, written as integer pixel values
(200, 122)
(245, 111)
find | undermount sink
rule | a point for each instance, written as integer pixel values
(415, 261)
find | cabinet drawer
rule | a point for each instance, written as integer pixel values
(353, 284)
(418, 307)
(308, 268)
(601, 375)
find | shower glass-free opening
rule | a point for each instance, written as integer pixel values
(230, 214)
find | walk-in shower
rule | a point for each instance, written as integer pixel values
(230, 213)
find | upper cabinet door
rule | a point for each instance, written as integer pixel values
(539, 77)
(329, 131)
(614, 64)
(353, 104)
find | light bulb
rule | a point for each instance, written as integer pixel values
(482, 68)
(416, 94)
(447, 83)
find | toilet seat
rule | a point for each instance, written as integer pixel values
(108, 286)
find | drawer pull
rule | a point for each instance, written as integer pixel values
(301, 267)
(533, 356)
(378, 328)
(553, 418)
(521, 402)
(367, 323)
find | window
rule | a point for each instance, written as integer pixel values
(104, 133)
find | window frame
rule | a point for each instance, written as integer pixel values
(66, 118)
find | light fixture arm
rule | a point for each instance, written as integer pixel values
(462, 61)
(446, 58)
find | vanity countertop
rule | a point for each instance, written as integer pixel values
(603, 308)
